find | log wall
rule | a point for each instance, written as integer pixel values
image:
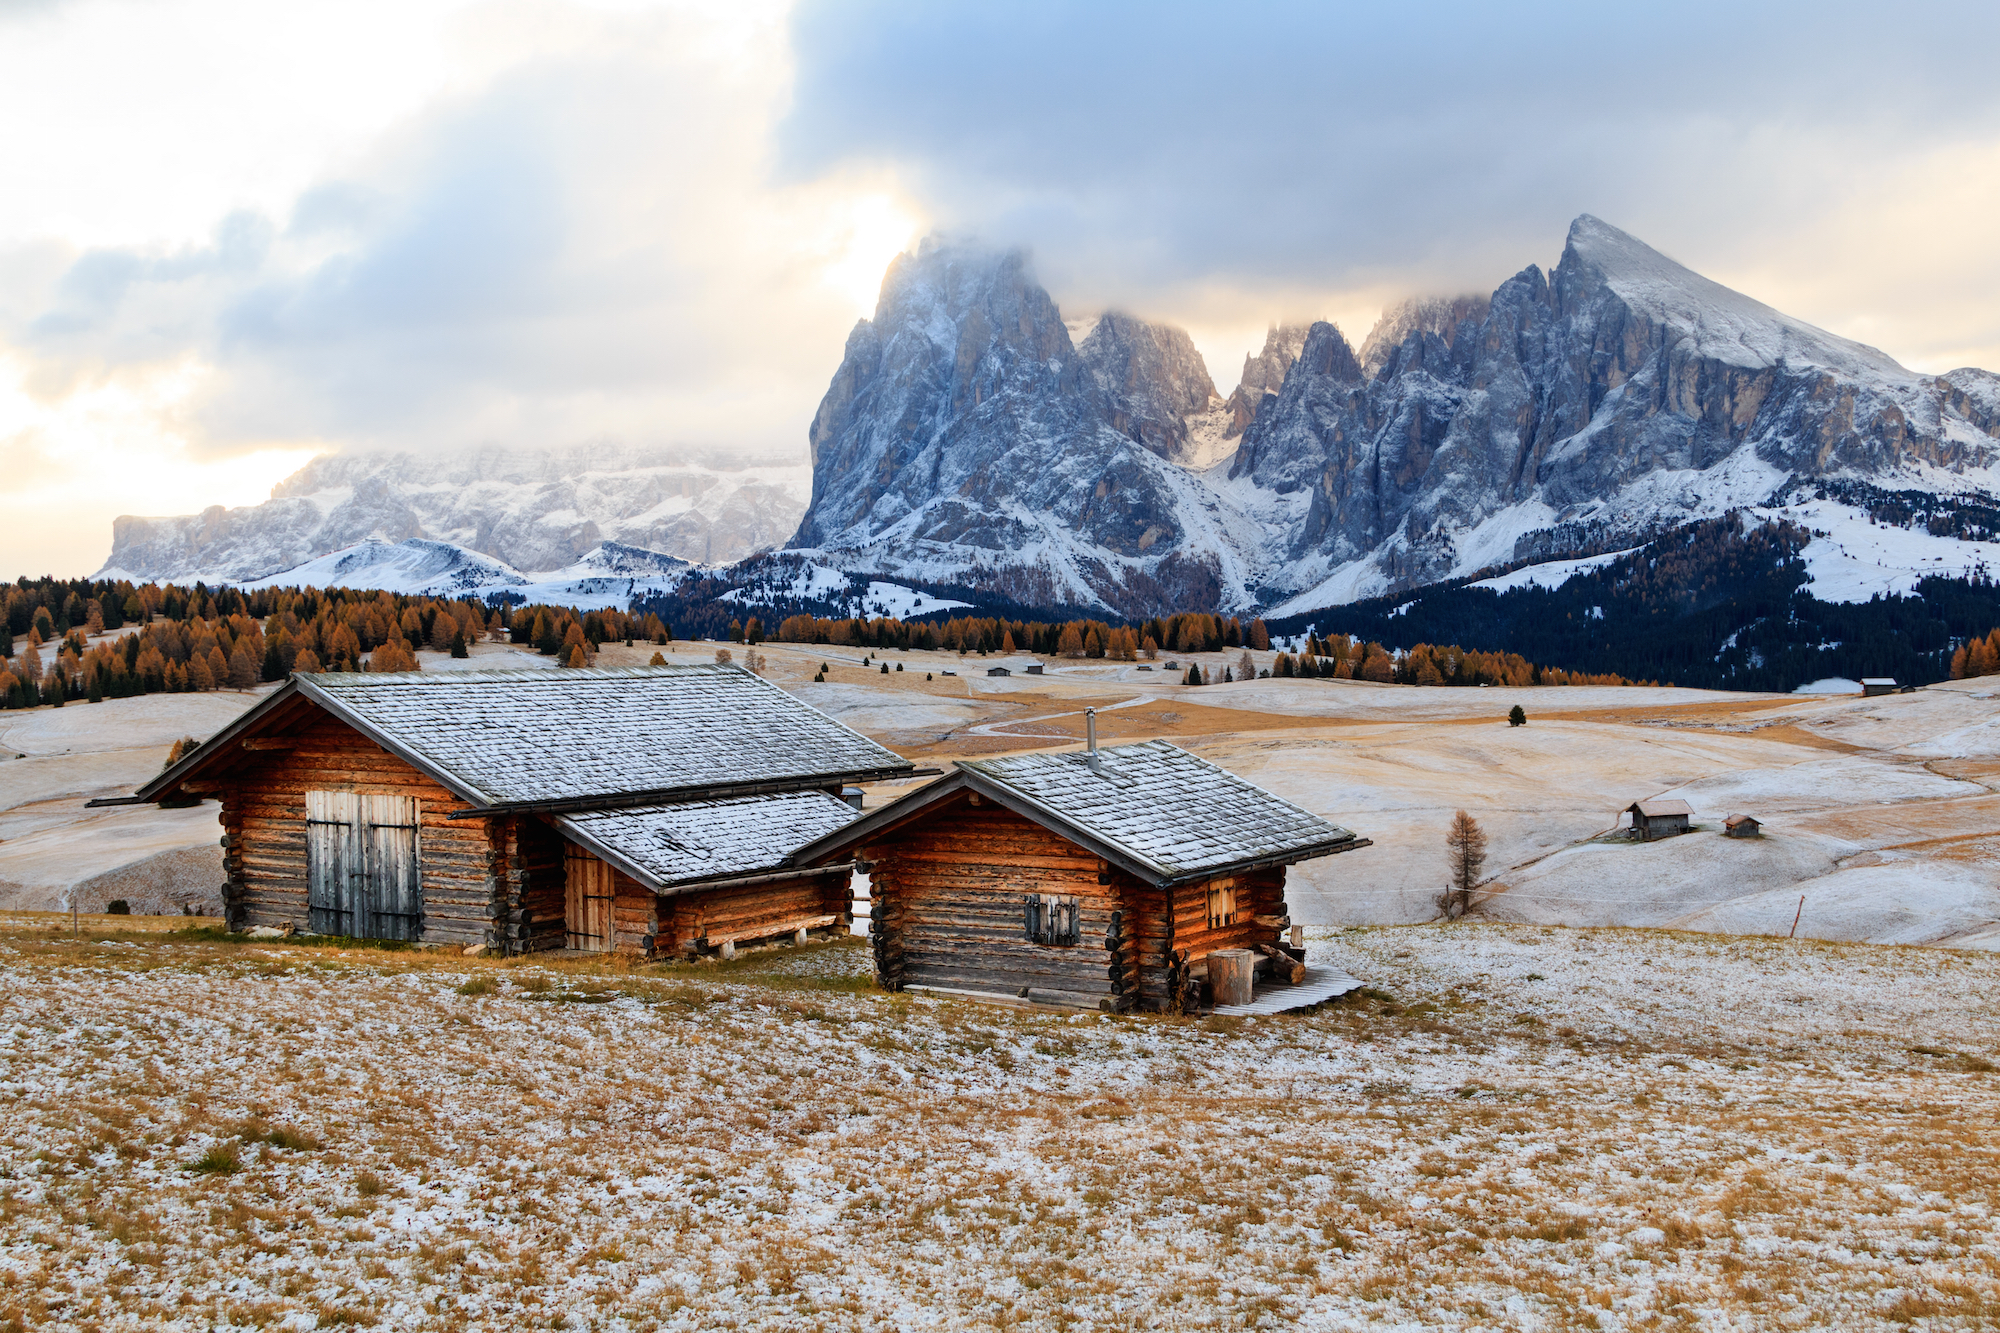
(652, 925)
(463, 870)
(949, 913)
(692, 921)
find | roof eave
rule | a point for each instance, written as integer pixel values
(875, 823)
(215, 746)
(570, 805)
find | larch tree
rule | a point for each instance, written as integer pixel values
(1465, 857)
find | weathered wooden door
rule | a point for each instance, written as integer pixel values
(362, 875)
(589, 891)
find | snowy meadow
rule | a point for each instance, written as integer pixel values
(1513, 1127)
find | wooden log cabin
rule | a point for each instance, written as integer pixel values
(1095, 879)
(646, 811)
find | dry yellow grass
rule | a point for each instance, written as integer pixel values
(1516, 1127)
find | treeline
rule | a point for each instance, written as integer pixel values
(1186, 632)
(1339, 657)
(201, 639)
(1979, 657)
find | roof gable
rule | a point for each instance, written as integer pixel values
(1152, 809)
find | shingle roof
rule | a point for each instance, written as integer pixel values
(1165, 810)
(520, 736)
(1658, 809)
(702, 840)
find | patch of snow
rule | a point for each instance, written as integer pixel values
(1552, 573)
(1824, 685)
(1858, 558)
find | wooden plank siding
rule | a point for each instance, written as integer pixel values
(948, 892)
(652, 925)
(264, 812)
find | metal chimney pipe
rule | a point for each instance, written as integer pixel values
(1090, 735)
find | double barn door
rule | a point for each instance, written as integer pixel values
(361, 866)
(588, 894)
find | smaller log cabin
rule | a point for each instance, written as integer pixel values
(1742, 826)
(647, 811)
(1095, 879)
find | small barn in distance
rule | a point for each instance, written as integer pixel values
(1741, 826)
(645, 810)
(1099, 879)
(1656, 818)
(1874, 685)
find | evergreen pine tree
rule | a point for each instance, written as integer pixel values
(1193, 674)
(458, 648)
(7, 640)
(1516, 717)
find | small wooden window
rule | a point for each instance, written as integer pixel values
(1050, 919)
(1221, 904)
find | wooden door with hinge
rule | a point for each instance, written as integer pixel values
(588, 894)
(362, 873)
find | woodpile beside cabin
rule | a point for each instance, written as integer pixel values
(646, 811)
(1101, 879)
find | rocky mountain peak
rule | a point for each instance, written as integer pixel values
(1445, 317)
(1263, 374)
(1153, 381)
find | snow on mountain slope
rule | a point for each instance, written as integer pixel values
(1620, 394)
(966, 439)
(1550, 574)
(821, 583)
(532, 510)
(1858, 558)
(610, 576)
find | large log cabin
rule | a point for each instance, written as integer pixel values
(647, 811)
(1096, 879)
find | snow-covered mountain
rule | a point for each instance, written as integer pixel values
(528, 509)
(1618, 394)
(967, 439)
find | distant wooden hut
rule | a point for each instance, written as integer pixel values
(1100, 879)
(998, 671)
(1033, 669)
(1654, 819)
(1741, 826)
(1874, 685)
(647, 811)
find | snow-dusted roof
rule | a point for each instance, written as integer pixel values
(546, 736)
(1156, 808)
(667, 845)
(1658, 809)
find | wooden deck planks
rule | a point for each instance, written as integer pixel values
(1322, 983)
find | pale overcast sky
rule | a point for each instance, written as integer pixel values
(235, 234)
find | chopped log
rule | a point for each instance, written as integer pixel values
(1273, 922)
(1284, 967)
(1230, 972)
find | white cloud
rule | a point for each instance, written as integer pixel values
(579, 239)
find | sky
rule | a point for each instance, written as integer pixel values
(236, 234)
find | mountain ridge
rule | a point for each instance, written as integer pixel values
(1615, 395)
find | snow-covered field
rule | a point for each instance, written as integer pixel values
(1516, 1127)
